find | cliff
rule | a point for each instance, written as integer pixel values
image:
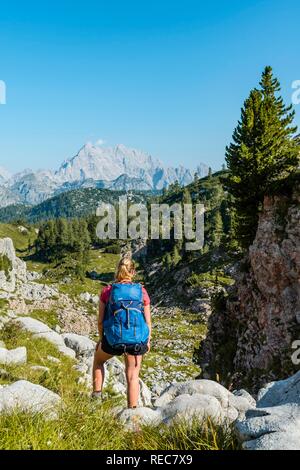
(252, 330)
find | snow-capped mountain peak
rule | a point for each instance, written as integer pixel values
(115, 168)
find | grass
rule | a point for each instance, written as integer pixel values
(49, 317)
(82, 427)
(81, 423)
(103, 264)
(19, 238)
(208, 280)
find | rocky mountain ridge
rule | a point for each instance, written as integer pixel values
(95, 166)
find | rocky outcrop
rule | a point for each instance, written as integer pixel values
(195, 399)
(275, 423)
(13, 268)
(251, 336)
(30, 398)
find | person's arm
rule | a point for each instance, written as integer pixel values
(147, 314)
(100, 319)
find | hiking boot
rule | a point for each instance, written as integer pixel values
(96, 396)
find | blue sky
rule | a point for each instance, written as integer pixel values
(168, 77)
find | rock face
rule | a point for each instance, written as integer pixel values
(251, 338)
(28, 397)
(275, 423)
(16, 268)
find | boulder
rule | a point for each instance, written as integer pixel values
(273, 428)
(82, 345)
(187, 407)
(280, 392)
(87, 297)
(275, 423)
(16, 356)
(134, 418)
(202, 386)
(243, 393)
(30, 398)
(41, 330)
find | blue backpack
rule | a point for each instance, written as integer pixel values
(124, 322)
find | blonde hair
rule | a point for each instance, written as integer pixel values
(125, 269)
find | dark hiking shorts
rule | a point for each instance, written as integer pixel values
(134, 350)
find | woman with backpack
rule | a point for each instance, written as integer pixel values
(124, 325)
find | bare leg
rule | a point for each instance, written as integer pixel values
(133, 365)
(98, 368)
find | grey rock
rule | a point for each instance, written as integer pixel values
(28, 397)
(13, 356)
(82, 345)
(34, 291)
(17, 271)
(87, 297)
(202, 386)
(240, 403)
(132, 419)
(197, 406)
(273, 428)
(33, 276)
(280, 392)
(40, 330)
(243, 393)
(54, 360)
(275, 423)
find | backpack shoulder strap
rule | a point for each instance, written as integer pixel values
(110, 295)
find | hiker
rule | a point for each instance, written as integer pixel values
(124, 325)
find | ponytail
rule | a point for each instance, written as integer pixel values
(125, 269)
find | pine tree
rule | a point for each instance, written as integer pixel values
(217, 229)
(262, 154)
(209, 172)
(176, 256)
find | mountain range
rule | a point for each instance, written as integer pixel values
(94, 166)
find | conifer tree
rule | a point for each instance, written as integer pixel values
(217, 229)
(263, 153)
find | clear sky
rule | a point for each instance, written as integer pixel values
(167, 77)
